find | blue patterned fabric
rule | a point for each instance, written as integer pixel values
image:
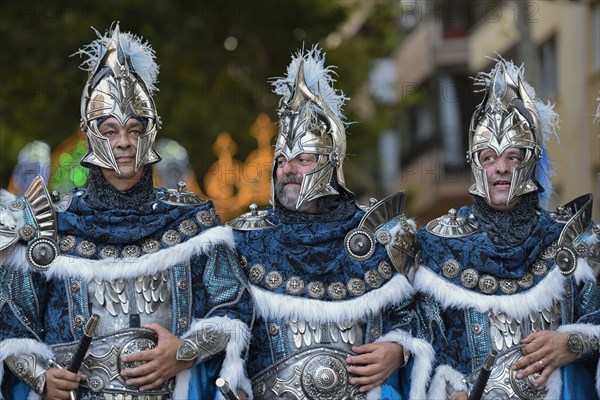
(479, 252)
(313, 251)
(218, 285)
(460, 335)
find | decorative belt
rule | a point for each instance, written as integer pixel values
(104, 362)
(315, 374)
(504, 385)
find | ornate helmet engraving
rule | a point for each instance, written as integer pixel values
(511, 116)
(310, 121)
(120, 84)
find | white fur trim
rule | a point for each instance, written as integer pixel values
(516, 305)
(444, 374)
(232, 370)
(423, 354)
(128, 268)
(276, 305)
(374, 394)
(554, 385)
(182, 384)
(583, 272)
(586, 329)
(13, 347)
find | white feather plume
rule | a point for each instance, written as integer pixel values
(139, 52)
(318, 77)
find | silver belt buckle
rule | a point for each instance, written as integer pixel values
(316, 374)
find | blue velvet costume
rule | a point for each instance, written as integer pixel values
(314, 302)
(513, 292)
(176, 254)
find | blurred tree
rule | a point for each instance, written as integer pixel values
(216, 58)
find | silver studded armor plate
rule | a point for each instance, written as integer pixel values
(115, 301)
(317, 368)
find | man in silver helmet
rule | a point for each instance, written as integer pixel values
(150, 268)
(329, 277)
(505, 288)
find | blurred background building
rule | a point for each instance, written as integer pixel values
(447, 43)
(407, 66)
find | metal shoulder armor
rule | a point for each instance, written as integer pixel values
(181, 197)
(451, 225)
(385, 224)
(253, 220)
(572, 242)
(31, 218)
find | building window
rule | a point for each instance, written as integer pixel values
(548, 69)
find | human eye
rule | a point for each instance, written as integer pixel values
(108, 132)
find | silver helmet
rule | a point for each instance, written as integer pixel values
(511, 116)
(122, 74)
(310, 121)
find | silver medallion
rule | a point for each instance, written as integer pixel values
(549, 252)
(316, 289)
(356, 287)
(469, 278)
(131, 251)
(525, 281)
(373, 279)
(539, 268)
(66, 243)
(96, 384)
(358, 244)
(150, 246)
(385, 269)
(488, 284)
(508, 286)
(188, 228)
(27, 232)
(581, 249)
(257, 274)
(451, 268)
(86, 248)
(324, 377)
(383, 237)
(337, 290)
(17, 205)
(294, 286)
(205, 218)
(109, 251)
(273, 280)
(171, 237)
(41, 252)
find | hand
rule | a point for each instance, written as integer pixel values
(160, 365)
(459, 396)
(545, 351)
(374, 363)
(242, 395)
(59, 382)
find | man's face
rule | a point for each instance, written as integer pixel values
(123, 142)
(288, 180)
(499, 171)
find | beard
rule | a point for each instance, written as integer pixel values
(287, 195)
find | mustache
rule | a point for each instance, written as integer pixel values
(289, 179)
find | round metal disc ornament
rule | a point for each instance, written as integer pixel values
(359, 244)
(41, 252)
(566, 259)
